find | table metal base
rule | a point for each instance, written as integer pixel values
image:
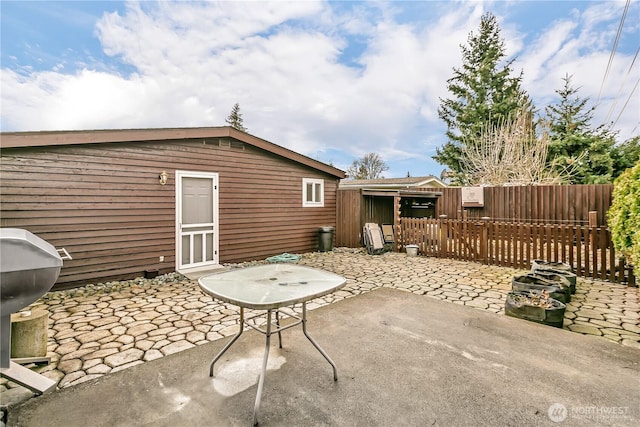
(27, 378)
(268, 332)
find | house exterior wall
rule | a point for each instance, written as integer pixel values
(104, 203)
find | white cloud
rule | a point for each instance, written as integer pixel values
(281, 61)
(544, 49)
(580, 46)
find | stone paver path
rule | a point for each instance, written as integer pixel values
(105, 328)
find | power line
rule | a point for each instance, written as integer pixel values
(627, 102)
(613, 50)
(624, 81)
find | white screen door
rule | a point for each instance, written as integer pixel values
(196, 219)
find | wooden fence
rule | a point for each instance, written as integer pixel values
(588, 250)
(349, 218)
(560, 204)
(540, 204)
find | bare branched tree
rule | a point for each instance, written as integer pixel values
(510, 153)
(370, 166)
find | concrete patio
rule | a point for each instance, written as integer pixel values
(100, 330)
(402, 360)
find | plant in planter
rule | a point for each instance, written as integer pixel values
(535, 306)
(559, 278)
(532, 282)
(542, 264)
(543, 268)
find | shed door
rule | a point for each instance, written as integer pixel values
(196, 219)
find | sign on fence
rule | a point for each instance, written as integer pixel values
(472, 197)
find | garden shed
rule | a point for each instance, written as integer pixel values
(125, 203)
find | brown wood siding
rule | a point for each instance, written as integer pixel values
(105, 205)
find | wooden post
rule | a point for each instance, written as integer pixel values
(484, 240)
(593, 223)
(397, 226)
(442, 225)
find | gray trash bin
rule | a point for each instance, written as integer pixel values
(325, 239)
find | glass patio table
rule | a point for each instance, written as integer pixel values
(271, 287)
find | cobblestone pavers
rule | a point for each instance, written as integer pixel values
(105, 328)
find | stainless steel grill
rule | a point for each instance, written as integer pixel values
(29, 267)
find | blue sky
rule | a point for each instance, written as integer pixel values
(331, 80)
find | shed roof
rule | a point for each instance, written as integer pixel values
(74, 137)
(402, 193)
(394, 183)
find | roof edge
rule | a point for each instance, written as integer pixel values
(397, 183)
(101, 136)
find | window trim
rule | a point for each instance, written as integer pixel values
(313, 203)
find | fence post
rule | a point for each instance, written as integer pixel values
(397, 223)
(442, 223)
(484, 240)
(593, 224)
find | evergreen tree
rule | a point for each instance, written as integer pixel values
(235, 119)
(574, 142)
(483, 93)
(625, 155)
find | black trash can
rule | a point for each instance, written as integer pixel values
(325, 239)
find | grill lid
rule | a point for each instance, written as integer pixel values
(21, 250)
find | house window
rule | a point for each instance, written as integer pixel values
(312, 192)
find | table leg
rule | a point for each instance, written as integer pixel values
(315, 344)
(226, 347)
(278, 324)
(264, 370)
